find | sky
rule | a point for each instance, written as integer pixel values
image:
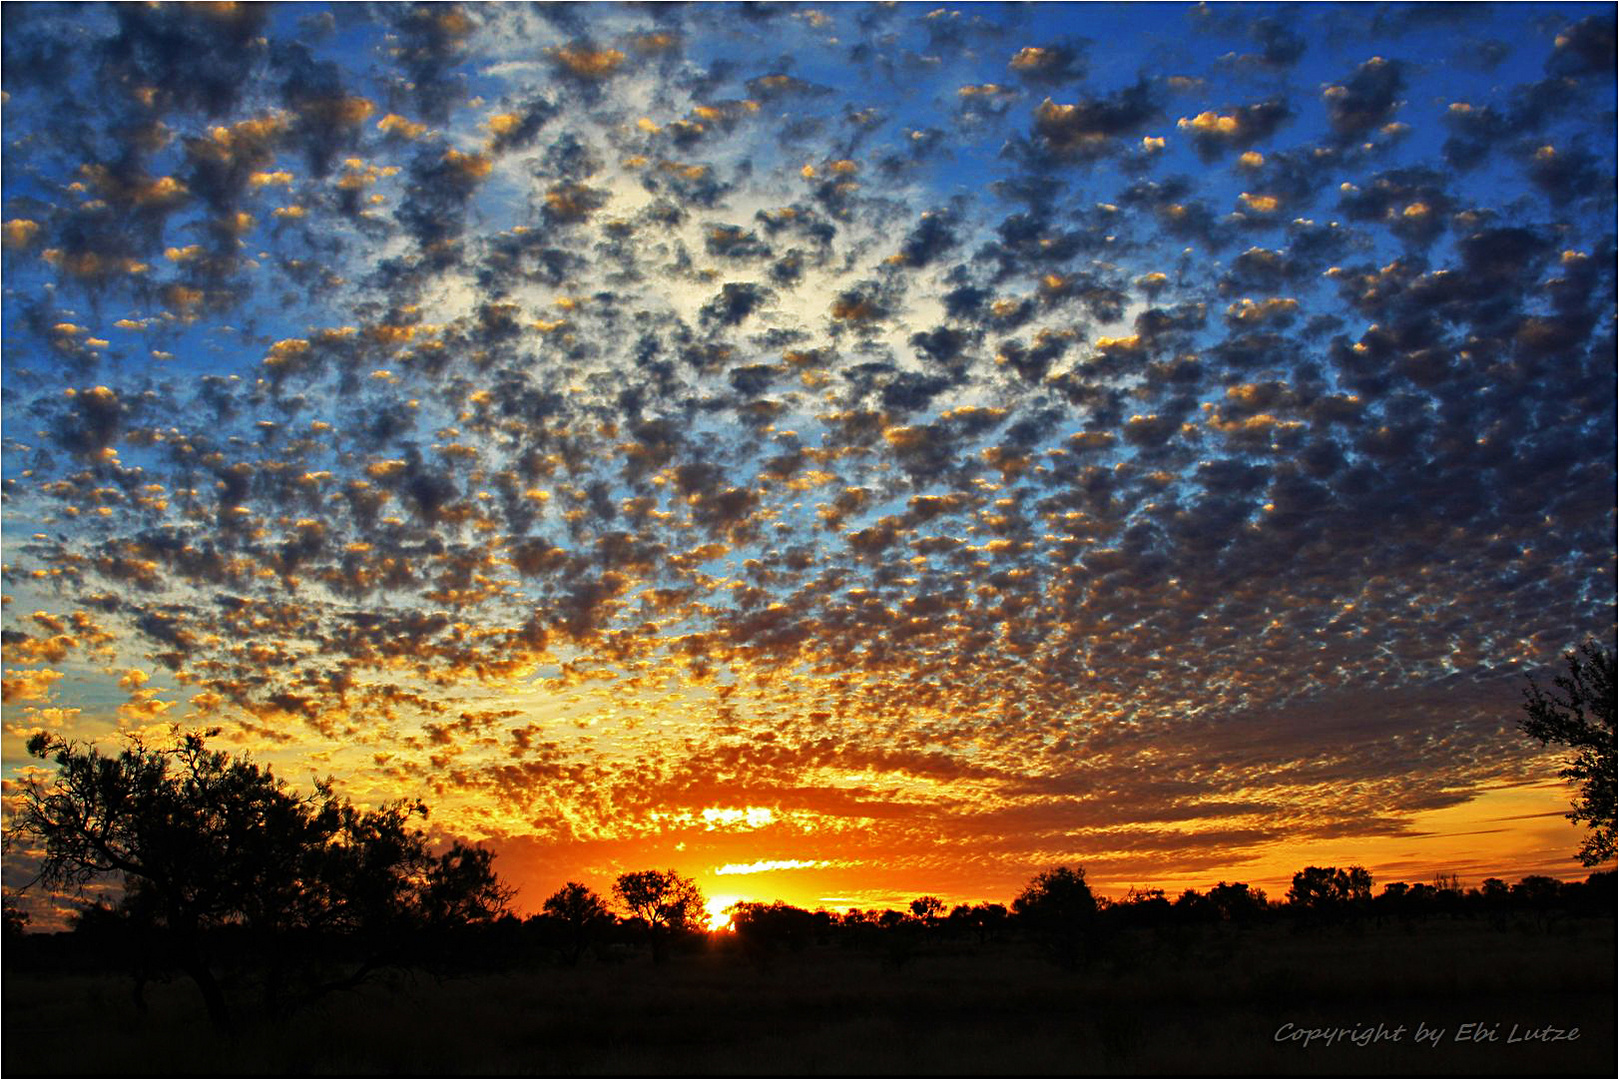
(840, 453)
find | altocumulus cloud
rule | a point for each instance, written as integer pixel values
(885, 437)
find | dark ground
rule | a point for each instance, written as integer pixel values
(1210, 1005)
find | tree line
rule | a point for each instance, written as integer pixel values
(1057, 912)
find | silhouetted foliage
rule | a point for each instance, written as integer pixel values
(764, 929)
(1537, 890)
(205, 843)
(576, 915)
(667, 903)
(1327, 890)
(1237, 902)
(858, 929)
(127, 937)
(984, 921)
(927, 908)
(1583, 719)
(16, 919)
(1137, 944)
(1142, 908)
(929, 911)
(1058, 909)
(1593, 897)
(1193, 906)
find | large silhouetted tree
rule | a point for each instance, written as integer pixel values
(1582, 717)
(204, 841)
(1058, 909)
(668, 904)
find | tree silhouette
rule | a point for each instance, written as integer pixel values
(1583, 719)
(1143, 907)
(1058, 910)
(203, 842)
(1313, 887)
(927, 908)
(982, 920)
(667, 903)
(1357, 884)
(579, 915)
(929, 911)
(16, 919)
(764, 928)
(1193, 906)
(1330, 891)
(1236, 902)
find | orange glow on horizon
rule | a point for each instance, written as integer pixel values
(1508, 832)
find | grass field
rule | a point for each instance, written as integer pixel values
(1212, 1005)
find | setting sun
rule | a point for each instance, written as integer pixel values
(719, 919)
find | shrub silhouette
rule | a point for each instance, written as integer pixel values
(1236, 902)
(576, 917)
(984, 921)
